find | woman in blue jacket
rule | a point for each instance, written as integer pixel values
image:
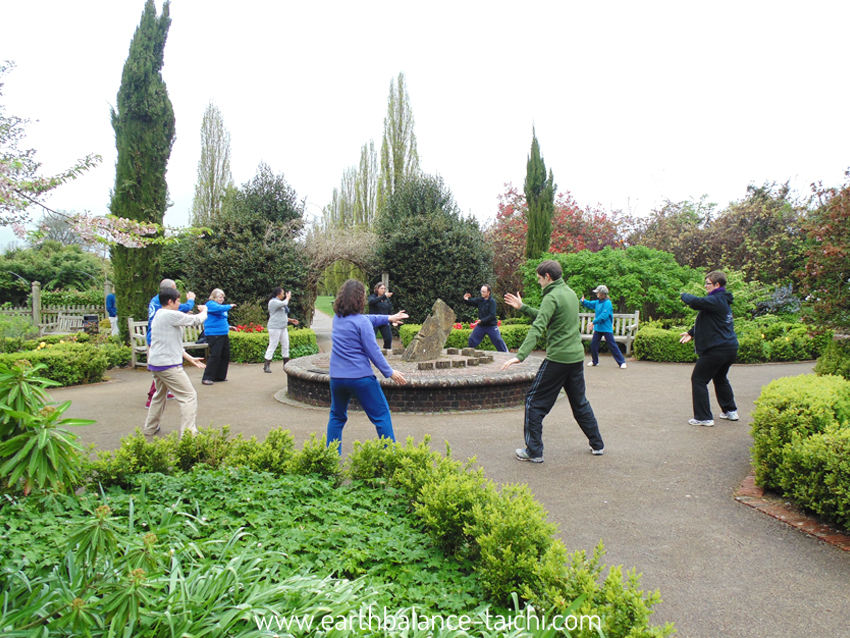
(603, 327)
(216, 331)
(353, 351)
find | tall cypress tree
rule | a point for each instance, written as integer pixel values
(144, 134)
(540, 198)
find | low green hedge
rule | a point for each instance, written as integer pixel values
(513, 334)
(758, 342)
(801, 440)
(835, 359)
(250, 347)
(71, 363)
(502, 534)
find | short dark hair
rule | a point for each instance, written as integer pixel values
(487, 286)
(550, 267)
(275, 292)
(350, 299)
(717, 277)
(168, 294)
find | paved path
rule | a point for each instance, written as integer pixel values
(661, 498)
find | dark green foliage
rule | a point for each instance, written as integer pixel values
(801, 443)
(835, 359)
(144, 134)
(252, 247)
(540, 199)
(792, 409)
(55, 266)
(317, 458)
(430, 250)
(13, 330)
(657, 344)
(250, 347)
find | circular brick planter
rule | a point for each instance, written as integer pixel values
(470, 380)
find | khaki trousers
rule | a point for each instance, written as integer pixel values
(176, 381)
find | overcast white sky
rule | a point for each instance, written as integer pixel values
(633, 102)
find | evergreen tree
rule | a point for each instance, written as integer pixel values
(366, 186)
(214, 176)
(399, 157)
(540, 197)
(430, 249)
(144, 134)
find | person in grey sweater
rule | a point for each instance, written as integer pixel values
(278, 320)
(165, 360)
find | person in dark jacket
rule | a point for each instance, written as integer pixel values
(380, 304)
(488, 323)
(716, 345)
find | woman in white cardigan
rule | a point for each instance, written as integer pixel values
(278, 320)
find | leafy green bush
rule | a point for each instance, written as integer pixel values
(68, 363)
(273, 455)
(71, 297)
(656, 344)
(815, 472)
(789, 411)
(250, 347)
(835, 359)
(758, 341)
(317, 458)
(16, 327)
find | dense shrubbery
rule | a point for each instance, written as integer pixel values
(250, 347)
(67, 363)
(801, 442)
(17, 327)
(764, 339)
(835, 359)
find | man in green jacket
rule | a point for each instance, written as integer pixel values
(564, 364)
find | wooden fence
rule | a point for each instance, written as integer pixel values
(48, 314)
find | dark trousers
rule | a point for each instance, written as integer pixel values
(387, 334)
(612, 347)
(713, 365)
(219, 358)
(479, 332)
(541, 396)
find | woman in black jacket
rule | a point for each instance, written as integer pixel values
(380, 304)
(716, 346)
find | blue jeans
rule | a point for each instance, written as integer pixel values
(368, 392)
(612, 346)
(479, 332)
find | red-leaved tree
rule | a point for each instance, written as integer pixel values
(825, 279)
(573, 229)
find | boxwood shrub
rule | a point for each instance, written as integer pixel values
(69, 363)
(758, 341)
(790, 410)
(250, 347)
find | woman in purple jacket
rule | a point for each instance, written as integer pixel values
(353, 351)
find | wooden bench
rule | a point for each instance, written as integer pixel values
(139, 344)
(624, 327)
(64, 325)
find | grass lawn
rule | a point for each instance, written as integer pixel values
(325, 303)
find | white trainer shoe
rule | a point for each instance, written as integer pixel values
(731, 415)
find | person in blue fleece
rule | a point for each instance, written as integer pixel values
(603, 327)
(216, 329)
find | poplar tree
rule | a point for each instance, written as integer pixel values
(540, 198)
(144, 134)
(214, 177)
(366, 186)
(399, 157)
